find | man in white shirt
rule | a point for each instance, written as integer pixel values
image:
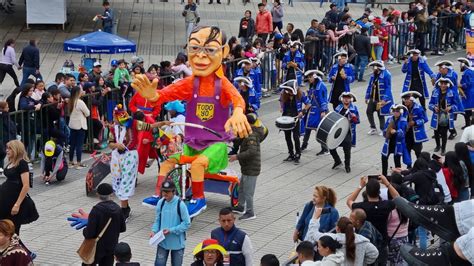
(305, 252)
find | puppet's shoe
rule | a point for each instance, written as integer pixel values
(196, 206)
(151, 201)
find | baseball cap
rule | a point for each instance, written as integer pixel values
(97, 64)
(168, 186)
(49, 148)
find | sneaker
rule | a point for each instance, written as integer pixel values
(297, 159)
(372, 131)
(151, 201)
(247, 216)
(96, 141)
(418, 256)
(289, 158)
(348, 169)
(80, 166)
(380, 133)
(439, 219)
(322, 152)
(304, 146)
(336, 164)
(196, 206)
(238, 209)
(1, 171)
(443, 152)
(452, 135)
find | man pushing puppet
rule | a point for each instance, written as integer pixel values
(210, 96)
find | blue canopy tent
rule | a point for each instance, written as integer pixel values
(99, 42)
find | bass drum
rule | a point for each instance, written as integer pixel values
(332, 130)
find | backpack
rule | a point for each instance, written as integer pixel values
(178, 209)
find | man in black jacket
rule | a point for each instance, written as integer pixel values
(30, 61)
(98, 218)
(362, 48)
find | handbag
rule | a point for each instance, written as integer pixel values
(88, 247)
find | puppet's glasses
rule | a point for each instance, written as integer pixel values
(195, 49)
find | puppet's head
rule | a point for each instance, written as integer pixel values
(121, 116)
(206, 48)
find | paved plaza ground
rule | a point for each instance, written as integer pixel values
(282, 188)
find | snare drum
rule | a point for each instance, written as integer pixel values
(332, 130)
(285, 122)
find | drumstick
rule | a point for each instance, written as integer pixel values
(197, 126)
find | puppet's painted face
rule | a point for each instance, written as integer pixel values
(205, 54)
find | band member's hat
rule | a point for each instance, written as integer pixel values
(256, 60)
(444, 64)
(445, 80)
(246, 81)
(316, 73)
(414, 94)
(244, 61)
(296, 44)
(290, 86)
(348, 94)
(413, 51)
(378, 63)
(340, 53)
(399, 107)
(465, 61)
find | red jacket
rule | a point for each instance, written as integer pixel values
(448, 175)
(138, 103)
(264, 24)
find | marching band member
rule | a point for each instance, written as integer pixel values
(245, 87)
(341, 76)
(293, 62)
(446, 71)
(444, 104)
(318, 97)
(417, 118)
(349, 110)
(394, 132)
(291, 101)
(378, 96)
(247, 70)
(466, 89)
(258, 76)
(415, 68)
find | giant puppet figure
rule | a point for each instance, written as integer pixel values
(210, 96)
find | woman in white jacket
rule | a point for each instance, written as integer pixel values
(328, 247)
(357, 249)
(78, 113)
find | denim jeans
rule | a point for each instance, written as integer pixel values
(30, 71)
(162, 257)
(402, 44)
(64, 129)
(76, 141)
(360, 64)
(378, 52)
(423, 237)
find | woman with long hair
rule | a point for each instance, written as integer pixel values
(323, 197)
(357, 249)
(11, 250)
(7, 61)
(462, 152)
(291, 102)
(328, 247)
(454, 175)
(15, 204)
(78, 112)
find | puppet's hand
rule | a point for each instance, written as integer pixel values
(239, 124)
(146, 88)
(79, 219)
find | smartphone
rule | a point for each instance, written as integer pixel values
(373, 177)
(435, 157)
